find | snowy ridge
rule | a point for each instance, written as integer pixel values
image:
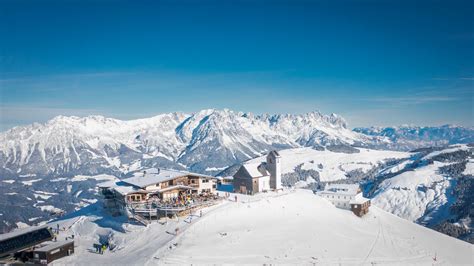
(95, 144)
(412, 137)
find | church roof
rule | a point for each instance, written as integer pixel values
(252, 169)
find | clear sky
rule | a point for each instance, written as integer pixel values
(373, 62)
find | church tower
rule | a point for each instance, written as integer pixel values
(274, 167)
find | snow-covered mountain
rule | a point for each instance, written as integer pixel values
(205, 141)
(434, 188)
(412, 137)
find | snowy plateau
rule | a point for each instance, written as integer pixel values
(418, 178)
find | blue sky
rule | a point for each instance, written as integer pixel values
(374, 62)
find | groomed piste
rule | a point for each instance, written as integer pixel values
(294, 227)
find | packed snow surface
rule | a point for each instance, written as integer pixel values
(335, 165)
(291, 227)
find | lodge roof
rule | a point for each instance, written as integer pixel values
(142, 180)
(21, 232)
(175, 187)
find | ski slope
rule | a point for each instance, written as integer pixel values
(293, 227)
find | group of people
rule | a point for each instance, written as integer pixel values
(100, 249)
(187, 200)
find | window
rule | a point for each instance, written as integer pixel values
(170, 183)
(54, 251)
(205, 180)
(355, 206)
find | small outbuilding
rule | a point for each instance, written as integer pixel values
(360, 206)
(346, 196)
(53, 251)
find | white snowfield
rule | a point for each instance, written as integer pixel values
(292, 227)
(335, 165)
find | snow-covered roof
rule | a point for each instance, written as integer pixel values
(345, 189)
(359, 200)
(106, 184)
(53, 245)
(175, 187)
(125, 190)
(252, 169)
(21, 232)
(155, 177)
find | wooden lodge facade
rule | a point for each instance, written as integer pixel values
(152, 189)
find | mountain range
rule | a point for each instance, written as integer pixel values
(206, 141)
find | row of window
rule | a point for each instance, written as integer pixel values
(341, 204)
(339, 197)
